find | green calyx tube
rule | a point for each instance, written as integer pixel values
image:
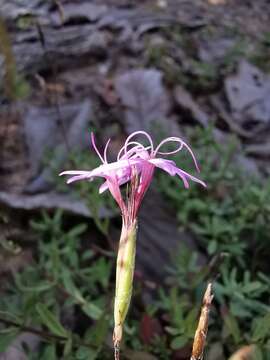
(124, 278)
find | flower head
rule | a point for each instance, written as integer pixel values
(135, 164)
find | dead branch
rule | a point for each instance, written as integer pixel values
(202, 328)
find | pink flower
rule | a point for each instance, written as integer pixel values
(135, 164)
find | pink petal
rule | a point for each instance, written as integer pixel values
(107, 168)
(167, 165)
(122, 177)
(118, 168)
(191, 177)
(74, 172)
(79, 177)
(171, 168)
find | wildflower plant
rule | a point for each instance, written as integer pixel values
(134, 167)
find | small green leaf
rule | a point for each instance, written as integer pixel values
(179, 342)
(97, 335)
(49, 353)
(191, 322)
(172, 330)
(49, 319)
(71, 288)
(261, 328)
(7, 338)
(44, 286)
(68, 346)
(84, 353)
(92, 310)
(252, 286)
(88, 254)
(77, 230)
(212, 247)
(11, 315)
(233, 327)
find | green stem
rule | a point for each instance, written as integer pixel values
(124, 279)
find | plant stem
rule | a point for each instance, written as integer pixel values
(124, 281)
(116, 352)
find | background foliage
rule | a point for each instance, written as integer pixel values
(66, 291)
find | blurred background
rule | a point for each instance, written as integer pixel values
(197, 69)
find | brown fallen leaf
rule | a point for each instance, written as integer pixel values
(245, 353)
(149, 329)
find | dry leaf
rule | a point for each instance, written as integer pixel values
(144, 97)
(50, 201)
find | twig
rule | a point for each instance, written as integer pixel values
(201, 332)
(53, 67)
(44, 334)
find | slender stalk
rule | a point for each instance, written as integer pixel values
(202, 328)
